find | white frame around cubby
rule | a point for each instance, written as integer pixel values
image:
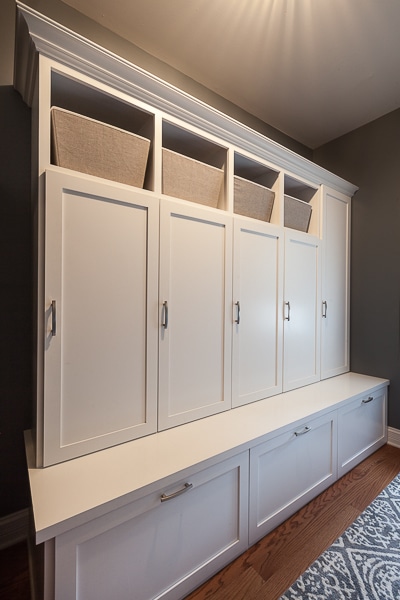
(158, 121)
(277, 209)
(37, 34)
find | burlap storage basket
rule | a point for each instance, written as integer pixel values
(190, 179)
(252, 200)
(297, 214)
(95, 148)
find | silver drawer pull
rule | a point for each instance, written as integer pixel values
(53, 318)
(369, 399)
(324, 309)
(303, 431)
(186, 487)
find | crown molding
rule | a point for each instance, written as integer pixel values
(37, 34)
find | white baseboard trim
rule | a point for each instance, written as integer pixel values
(14, 528)
(394, 437)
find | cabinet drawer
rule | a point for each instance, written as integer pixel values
(361, 429)
(288, 470)
(158, 546)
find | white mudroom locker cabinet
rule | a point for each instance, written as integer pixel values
(193, 385)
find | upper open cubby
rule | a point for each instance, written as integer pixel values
(89, 116)
(255, 189)
(193, 167)
(301, 205)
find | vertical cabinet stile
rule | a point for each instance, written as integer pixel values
(335, 296)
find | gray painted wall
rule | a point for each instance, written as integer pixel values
(15, 277)
(369, 157)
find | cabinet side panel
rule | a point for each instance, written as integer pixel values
(335, 293)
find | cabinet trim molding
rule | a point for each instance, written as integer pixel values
(37, 33)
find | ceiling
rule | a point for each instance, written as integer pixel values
(314, 69)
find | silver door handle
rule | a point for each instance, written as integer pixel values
(53, 318)
(186, 487)
(165, 313)
(237, 304)
(324, 309)
(287, 313)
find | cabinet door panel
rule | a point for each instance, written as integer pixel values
(100, 378)
(301, 362)
(158, 549)
(195, 281)
(288, 471)
(335, 285)
(361, 429)
(257, 285)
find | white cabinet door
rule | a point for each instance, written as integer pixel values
(301, 345)
(257, 322)
(288, 471)
(335, 277)
(159, 549)
(195, 305)
(101, 277)
(362, 429)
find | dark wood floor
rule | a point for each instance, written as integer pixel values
(269, 567)
(14, 573)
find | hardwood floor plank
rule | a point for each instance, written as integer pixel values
(14, 573)
(248, 586)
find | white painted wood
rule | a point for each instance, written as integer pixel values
(361, 429)
(66, 495)
(288, 470)
(393, 437)
(335, 276)
(258, 288)
(301, 346)
(101, 270)
(196, 283)
(153, 549)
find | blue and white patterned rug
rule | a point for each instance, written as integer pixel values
(363, 563)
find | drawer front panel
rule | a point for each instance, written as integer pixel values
(289, 470)
(177, 542)
(361, 430)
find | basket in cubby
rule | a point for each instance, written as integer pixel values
(297, 213)
(252, 199)
(89, 146)
(189, 179)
